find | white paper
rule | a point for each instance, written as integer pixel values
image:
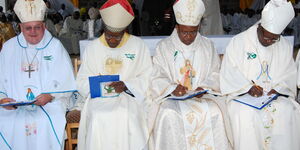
(256, 102)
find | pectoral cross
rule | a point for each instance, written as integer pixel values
(30, 3)
(30, 69)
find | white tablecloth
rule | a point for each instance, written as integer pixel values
(219, 41)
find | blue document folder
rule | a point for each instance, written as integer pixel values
(21, 103)
(256, 102)
(99, 86)
(188, 95)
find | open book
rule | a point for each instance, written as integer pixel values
(99, 86)
(20, 103)
(256, 102)
(188, 95)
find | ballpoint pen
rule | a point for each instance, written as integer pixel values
(254, 84)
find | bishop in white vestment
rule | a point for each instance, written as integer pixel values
(34, 66)
(115, 123)
(186, 60)
(260, 61)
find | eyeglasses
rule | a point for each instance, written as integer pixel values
(268, 39)
(186, 33)
(116, 37)
(35, 28)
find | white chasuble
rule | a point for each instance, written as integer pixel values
(193, 124)
(276, 126)
(116, 123)
(26, 72)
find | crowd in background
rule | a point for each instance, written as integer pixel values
(237, 21)
(85, 23)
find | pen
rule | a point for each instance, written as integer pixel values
(255, 84)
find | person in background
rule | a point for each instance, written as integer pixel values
(6, 30)
(93, 26)
(63, 12)
(211, 23)
(72, 32)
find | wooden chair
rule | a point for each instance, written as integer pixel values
(77, 64)
(73, 118)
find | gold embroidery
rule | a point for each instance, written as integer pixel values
(200, 125)
(207, 147)
(31, 5)
(190, 117)
(113, 66)
(192, 140)
(197, 118)
(203, 135)
(199, 134)
(189, 17)
(196, 108)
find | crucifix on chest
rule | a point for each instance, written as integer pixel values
(30, 64)
(29, 70)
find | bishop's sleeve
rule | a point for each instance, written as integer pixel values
(84, 73)
(138, 85)
(160, 85)
(232, 80)
(284, 80)
(212, 81)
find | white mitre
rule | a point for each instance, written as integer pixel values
(30, 10)
(188, 12)
(276, 15)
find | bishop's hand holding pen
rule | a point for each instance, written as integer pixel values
(255, 90)
(180, 90)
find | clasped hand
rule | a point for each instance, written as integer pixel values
(180, 90)
(257, 91)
